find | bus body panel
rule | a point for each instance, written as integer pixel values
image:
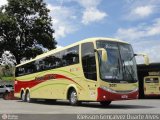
(110, 96)
(58, 87)
(117, 91)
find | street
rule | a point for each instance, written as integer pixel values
(141, 106)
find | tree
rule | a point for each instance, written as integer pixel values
(7, 59)
(25, 28)
(7, 63)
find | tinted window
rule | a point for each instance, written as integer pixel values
(66, 57)
(147, 80)
(9, 85)
(155, 80)
(71, 56)
(20, 71)
(30, 68)
(151, 80)
(26, 69)
(88, 61)
(1, 86)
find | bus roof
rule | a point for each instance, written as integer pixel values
(74, 44)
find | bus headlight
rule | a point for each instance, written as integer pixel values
(108, 89)
(135, 90)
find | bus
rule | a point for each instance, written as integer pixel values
(152, 70)
(95, 69)
(151, 86)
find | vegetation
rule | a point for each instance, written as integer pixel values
(7, 78)
(26, 28)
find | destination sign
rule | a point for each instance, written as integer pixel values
(154, 73)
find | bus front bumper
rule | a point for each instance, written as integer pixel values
(104, 95)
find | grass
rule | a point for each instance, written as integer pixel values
(8, 78)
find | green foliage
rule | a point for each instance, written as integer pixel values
(25, 26)
(6, 72)
(8, 78)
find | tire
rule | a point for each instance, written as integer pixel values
(50, 100)
(5, 96)
(28, 99)
(105, 103)
(73, 99)
(23, 97)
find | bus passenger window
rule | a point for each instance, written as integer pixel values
(71, 56)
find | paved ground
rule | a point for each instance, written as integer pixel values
(62, 107)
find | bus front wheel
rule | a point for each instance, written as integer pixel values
(105, 103)
(73, 99)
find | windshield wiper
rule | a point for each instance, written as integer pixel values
(126, 69)
(115, 73)
(132, 57)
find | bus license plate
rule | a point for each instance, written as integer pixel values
(124, 96)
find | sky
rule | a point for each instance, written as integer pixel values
(133, 21)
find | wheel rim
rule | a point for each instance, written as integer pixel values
(73, 97)
(23, 97)
(28, 97)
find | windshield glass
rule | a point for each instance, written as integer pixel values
(128, 62)
(121, 64)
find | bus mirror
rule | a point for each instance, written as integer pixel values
(146, 58)
(104, 55)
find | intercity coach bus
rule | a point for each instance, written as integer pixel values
(151, 86)
(94, 69)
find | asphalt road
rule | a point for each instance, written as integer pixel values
(143, 106)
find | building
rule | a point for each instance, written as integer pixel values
(146, 70)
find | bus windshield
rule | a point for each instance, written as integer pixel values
(121, 64)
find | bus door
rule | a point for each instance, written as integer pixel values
(89, 69)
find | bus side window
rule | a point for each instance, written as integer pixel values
(71, 56)
(20, 71)
(88, 61)
(58, 60)
(47, 62)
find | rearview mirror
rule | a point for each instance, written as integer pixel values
(146, 58)
(104, 56)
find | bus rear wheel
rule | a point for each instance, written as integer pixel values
(28, 99)
(105, 103)
(23, 97)
(73, 99)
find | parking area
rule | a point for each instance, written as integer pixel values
(143, 106)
